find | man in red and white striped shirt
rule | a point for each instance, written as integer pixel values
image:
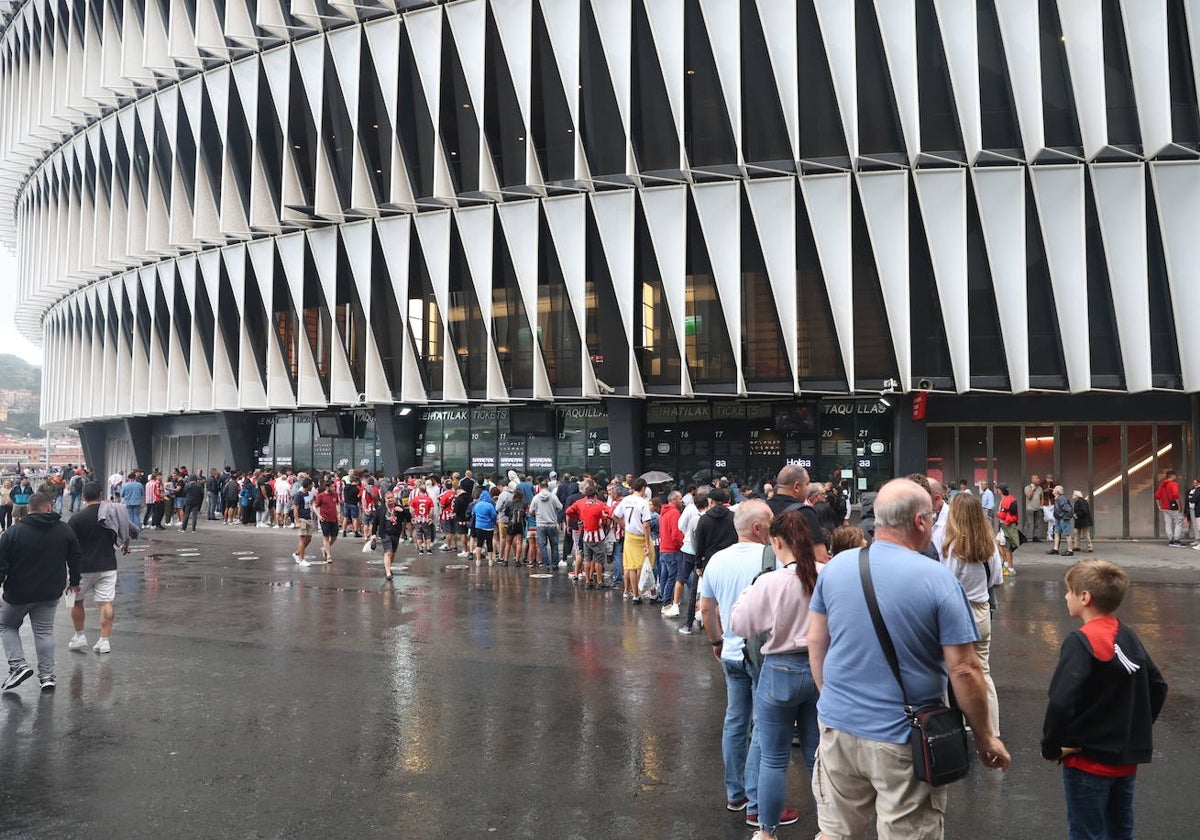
(594, 518)
(422, 506)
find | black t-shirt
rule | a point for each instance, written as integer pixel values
(467, 485)
(781, 502)
(350, 494)
(95, 541)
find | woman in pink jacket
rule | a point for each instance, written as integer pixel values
(777, 604)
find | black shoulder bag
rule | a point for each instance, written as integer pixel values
(940, 751)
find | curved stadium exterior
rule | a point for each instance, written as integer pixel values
(699, 235)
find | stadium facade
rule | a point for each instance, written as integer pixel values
(698, 235)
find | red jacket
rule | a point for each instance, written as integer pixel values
(670, 538)
(1166, 493)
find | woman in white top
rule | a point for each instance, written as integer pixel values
(968, 550)
(777, 604)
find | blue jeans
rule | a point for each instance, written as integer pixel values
(76, 500)
(548, 545)
(135, 512)
(1098, 807)
(786, 696)
(667, 563)
(739, 748)
(617, 569)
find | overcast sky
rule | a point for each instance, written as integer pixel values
(13, 341)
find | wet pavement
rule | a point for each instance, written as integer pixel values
(248, 697)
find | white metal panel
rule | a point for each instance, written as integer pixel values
(836, 18)
(885, 205)
(1083, 35)
(718, 206)
(666, 219)
(1000, 197)
(666, 24)
(827, 201)
(898, 26)
(723, 21)
(773, 206)
(960, 41)
(1020, 33)
(942, 195)
(1120, 190)
(1177, 200)
(778, 19)
(1058, 191)
(1146, 43)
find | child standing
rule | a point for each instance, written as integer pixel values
(1104, 698)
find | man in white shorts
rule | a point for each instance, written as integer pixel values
(99, 567)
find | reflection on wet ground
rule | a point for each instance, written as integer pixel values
(251, 697)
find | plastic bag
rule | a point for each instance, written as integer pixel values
(368, 546)
(647, 582)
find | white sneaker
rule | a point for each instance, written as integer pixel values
(671, 611)
(464, 554)
(78, 642)
(562, 564)
(102, 646)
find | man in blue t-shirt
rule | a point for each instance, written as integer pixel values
(864, 752)
(728, 573)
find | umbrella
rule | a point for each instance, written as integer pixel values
(420, 471)
(656, 477)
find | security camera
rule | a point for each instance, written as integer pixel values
(362, 398)
(604, 387)
(924, 384)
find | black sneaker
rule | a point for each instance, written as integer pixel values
(47, 683)
(16, 675)
(1068, 554)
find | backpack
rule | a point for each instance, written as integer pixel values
(77, 484)
(754, 644)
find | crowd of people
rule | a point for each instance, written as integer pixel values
(774, 577)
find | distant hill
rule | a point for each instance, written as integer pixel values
(16, 373)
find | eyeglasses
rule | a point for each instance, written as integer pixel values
(928, 513)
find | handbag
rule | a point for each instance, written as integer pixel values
(938, 738)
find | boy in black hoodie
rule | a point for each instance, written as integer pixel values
(1104, 698)
(39, 559)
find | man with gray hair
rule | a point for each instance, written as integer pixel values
(791, 493)
(863, 755)
(726, 576)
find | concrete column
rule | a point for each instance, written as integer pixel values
(626, 432)
(237, 439)
(910, 444)
(138, 430)
(397, 437)
(94, 440)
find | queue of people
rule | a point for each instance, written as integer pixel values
(778, 580)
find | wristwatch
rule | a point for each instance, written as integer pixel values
(717, 643)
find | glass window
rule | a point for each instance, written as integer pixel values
(599, 447)
(1108, 495)
(483, 438)
(557, 330)
(456, 432)
(283, 442)
(939, 459)
(764, 355)
(1073, 445)
(1006, 457)
(510, 323)
(654, 332)
(512, 452)
(972, 457)
(264, 453)
(706, 335)
(466, 320)
(343, 453)
(1143, 518)
(571, 455)
(539, 454)
(607, 347)
(302, 442)
(424, 321)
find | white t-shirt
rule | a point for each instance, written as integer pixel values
(974, 576)
(634, 510)
(116, 480)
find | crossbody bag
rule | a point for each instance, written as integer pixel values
(938, 733)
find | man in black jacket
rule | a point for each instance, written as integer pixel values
(791, 493)
(39, 559)
(193, 500)
(715, 529)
